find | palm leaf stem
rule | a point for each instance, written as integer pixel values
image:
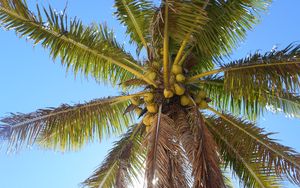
(216, 71)
(136, 25)
(254, 137)
(166, 46)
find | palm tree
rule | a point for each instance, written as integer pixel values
(188, 116)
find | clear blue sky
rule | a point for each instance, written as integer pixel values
(30, 80)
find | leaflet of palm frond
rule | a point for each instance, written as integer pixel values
(164, 155)
(257, 148)
(227, 26)
(250, 172)
(200, 149)
(90, 50)
(185, 17)
(136, 16)
(250, 106)
(133, 83)
(123, 164)
(67, 127)
(275, 71)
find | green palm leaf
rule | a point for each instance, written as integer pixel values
(91, 50)
(124, 163)
(251, 141)
(67, 127)
(251, 107)
(247, 169)
(136, 15)
(227, 26)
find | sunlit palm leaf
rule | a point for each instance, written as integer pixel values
(279, 101)
(255, 146)
(228, 22)
(185, 17)
(67, 127)
(137, 16)
(90, 50)
(249, 171)
(124, 163)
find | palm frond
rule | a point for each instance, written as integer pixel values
(67, 127)
(228, 22)
(245, 166)
(200, 149)
(275, 71)
(91, 50)
(124, 163)
(254, 145)
(164, 156)
(137, 16)
(185, 17)
(249, 106)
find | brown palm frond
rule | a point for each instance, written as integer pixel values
(255, 145)
(164, 155)
(200, 149)
(67, 127)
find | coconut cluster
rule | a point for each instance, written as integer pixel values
(177, 92)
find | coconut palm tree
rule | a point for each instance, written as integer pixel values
(186, 115)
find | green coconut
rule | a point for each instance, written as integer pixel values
(203, 105)
(201, 94)
(185, 100)
(180, 78)
(176, 69)
(179, 90)
(151, 75)
(147, 120)
(168, 93)
(135, 101)
(152, 108)
(148, 97)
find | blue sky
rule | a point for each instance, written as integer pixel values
(30, 80)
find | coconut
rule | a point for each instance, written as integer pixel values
(151, 75)
(203, 105)
(147, 120)
(180, 78)
(198, 99)
(138, 111)
(176, 69)
(148, 97)
(152, 108)
(135, 101)
(185, 100)
(179, 90)
(168, 93)
(201, 94)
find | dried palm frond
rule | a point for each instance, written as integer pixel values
(164, 155)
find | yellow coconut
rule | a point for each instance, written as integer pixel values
(198, 99)
(152, 108)
(151, 75)
(201, 94)
(203, 104)
(179, 90)
(168, 93)
(148, 97)
(176, 69)
(180, 78)
(138, 111)
(135, 101)
(185, 100)
(147, 120)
